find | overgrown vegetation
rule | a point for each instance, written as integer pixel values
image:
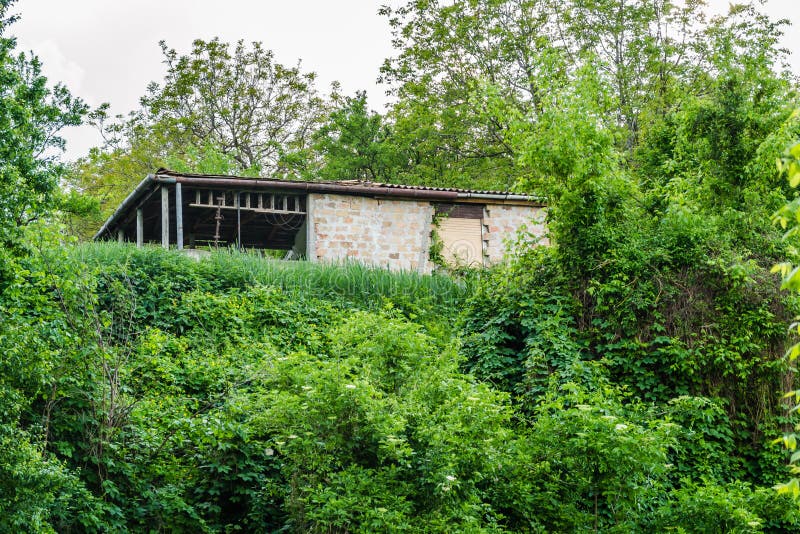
(627, 378)
(159, 392)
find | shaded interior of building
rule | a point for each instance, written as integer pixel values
(219, 218)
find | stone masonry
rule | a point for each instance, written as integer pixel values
(396, 233)
(389, 233)
(502, 222)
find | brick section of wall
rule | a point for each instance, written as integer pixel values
(388, 233)
(502, 222)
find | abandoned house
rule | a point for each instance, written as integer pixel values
(396, 226)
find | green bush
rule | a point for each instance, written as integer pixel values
(145, 391)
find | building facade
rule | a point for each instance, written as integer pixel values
(411, 228)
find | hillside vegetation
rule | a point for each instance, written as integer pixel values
(628, 377)
(241, 393)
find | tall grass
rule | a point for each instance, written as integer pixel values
(347, 281)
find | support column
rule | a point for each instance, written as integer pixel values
(311, 238)
(139, 227)
(179, 215)
(120, 236)
(164, 216)
(238, 221)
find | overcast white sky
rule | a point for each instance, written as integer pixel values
(107, 51)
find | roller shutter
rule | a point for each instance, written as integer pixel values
(462, 241)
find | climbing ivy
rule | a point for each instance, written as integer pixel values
(788, 217)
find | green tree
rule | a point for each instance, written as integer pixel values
(240, 101)
(650, 56)
(445, 52)
(356, 143)
(658, 267)
(31, 116)
(220, 109)
(645, 51)
(33, 484)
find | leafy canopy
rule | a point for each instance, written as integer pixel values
(31, 116)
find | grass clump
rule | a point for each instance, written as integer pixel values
(345, 283)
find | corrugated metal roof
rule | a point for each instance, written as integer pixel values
(366, 183)
(349, 183)
(353, 187)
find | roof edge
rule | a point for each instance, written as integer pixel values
(137, 192)
(348, 188)
(165, 176)
(308, 187)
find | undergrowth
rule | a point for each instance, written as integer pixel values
(146, 391)
(350, 284)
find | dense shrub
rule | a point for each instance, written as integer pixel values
(163, 393)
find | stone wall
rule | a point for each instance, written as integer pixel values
(388, 233)
(502, 222)
(397, 233)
